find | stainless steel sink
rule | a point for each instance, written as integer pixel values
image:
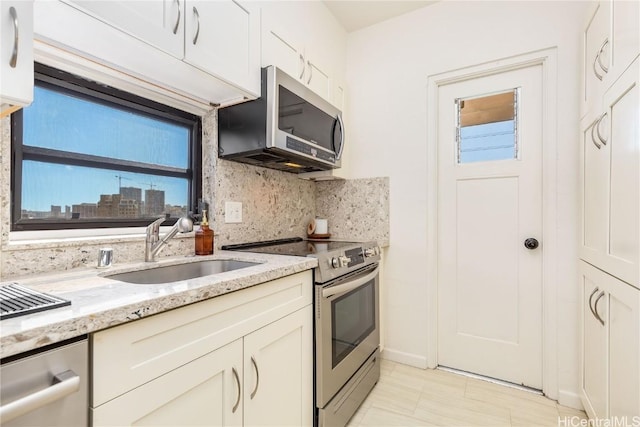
(178, 272)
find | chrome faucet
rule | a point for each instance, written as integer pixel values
(153, 244)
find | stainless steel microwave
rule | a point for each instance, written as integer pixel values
(289, 128)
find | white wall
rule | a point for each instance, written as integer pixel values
(387, 69)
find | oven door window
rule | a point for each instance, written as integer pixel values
(353, 318)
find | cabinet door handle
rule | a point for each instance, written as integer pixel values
(598, 57)
(301, 68)
(596, 60)
(310, 72)
(64, 384)
(595, 308)
(593, 137)
(597, 126)
(195, 12)
(16, 37)
(595, 291)
(175, 27)
(235, 375)
(255, 366)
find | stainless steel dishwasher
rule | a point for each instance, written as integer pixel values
(46, 387)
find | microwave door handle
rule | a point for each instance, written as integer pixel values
(339, 154)
(349, 286)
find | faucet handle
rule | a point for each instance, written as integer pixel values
(154, 227)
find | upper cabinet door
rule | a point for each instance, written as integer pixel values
(16, 55)
(610, 166)
(625, 35)
(223, 38)
(282, 50)
(596, 56)
(159, 22)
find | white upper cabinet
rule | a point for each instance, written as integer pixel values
(16, 55)
(147, 47)
(159, 23)
(224, 37)
(304, 40)
(610, 167)
(611, 43)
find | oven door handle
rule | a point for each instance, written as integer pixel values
(349, 286)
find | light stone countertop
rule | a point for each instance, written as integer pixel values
(98, 302)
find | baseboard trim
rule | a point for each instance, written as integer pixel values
(570, 399)
(405, 358)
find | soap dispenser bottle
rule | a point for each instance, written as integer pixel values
(204, 237)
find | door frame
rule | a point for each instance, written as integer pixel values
(547, 59)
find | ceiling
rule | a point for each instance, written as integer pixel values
(357, 14)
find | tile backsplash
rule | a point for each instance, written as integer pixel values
(275, 205)
(356, 209)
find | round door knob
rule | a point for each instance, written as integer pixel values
(531, 243)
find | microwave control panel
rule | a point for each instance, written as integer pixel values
(301, 147)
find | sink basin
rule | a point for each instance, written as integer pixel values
(176, 273)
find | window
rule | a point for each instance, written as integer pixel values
(487, 127)
(90, 156)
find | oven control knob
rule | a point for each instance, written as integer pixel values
(369, 252)
(344, 261)
(335, 263)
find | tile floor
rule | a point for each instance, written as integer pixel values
(407, 396)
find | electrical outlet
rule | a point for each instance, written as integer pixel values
(232, 212)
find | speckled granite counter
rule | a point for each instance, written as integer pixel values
(98, 302)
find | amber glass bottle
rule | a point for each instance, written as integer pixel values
(204, 237)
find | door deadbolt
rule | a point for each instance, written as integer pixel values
(531, 243)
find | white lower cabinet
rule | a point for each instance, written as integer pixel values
(202, 392)
(610, 374)
(277, 374)
(243, 358)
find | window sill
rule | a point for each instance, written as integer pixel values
(21, 240)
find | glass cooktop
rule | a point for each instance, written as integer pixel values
(294, 246)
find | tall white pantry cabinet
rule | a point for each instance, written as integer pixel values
(609, 246)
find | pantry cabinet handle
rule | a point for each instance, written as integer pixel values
(593, 137)
(595, 291)
(604, 68)
(310, 72)
(235, 374)
(255, 366)
(195, 12)
(595, 60)
(597, 126)
(175, 27)
(595, 308)
(302, 68)
(16, 37)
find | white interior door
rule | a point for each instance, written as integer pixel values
(489, 204)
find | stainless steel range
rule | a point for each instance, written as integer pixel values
(346, 321)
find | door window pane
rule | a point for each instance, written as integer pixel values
(487, 127)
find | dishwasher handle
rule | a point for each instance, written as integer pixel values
(63, 385)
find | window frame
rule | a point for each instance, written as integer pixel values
(67, 83)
